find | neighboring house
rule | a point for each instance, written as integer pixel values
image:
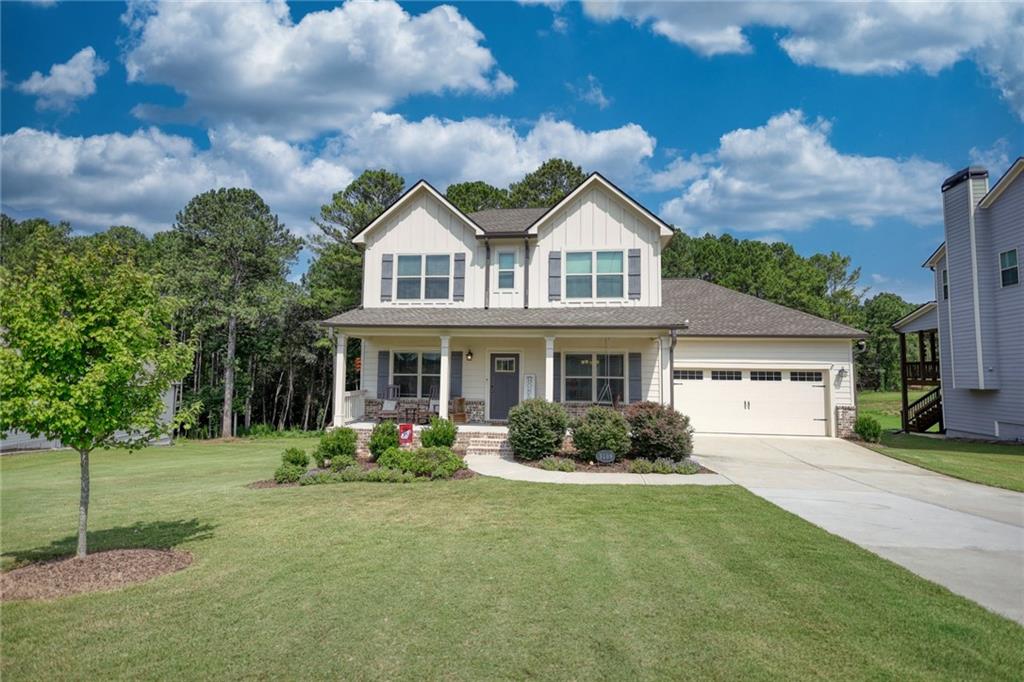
(568, 304)
(977, 318)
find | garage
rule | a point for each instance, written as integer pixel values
(769, 401)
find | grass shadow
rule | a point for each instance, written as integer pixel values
(152, 535)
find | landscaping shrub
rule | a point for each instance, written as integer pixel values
(536, 428)
(432, 462)
(289, 473)
(296, 456)
(657, 430)
(384, 436)
(440, 434)
(663, 465)
(868, 428)
(687, 467)
(641, 466)
(356, 473)
(601, 428)
(338, 446)
(558, 464)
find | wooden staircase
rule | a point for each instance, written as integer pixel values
(924, 413)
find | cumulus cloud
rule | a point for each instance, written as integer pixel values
(852, 38)
(144, 178)
(66, 83)
(996, 158)
(786, 175)
(250, 65)
(590, 91)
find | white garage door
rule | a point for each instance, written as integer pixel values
(772, 401)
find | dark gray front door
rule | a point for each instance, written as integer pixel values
(504, 384)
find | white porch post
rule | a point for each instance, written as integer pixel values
(340, 361)
(549, 368)
(443, 394)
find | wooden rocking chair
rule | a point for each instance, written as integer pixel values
(389, 408)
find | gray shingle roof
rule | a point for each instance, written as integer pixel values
(694, 307)
(507, 219)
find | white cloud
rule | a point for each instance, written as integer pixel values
(850, 37)
(786, 175)
(144, 178)
(560, 25)
(996, 158)
(678, 172)
(73, 80)
(591, 92)
(250, 65)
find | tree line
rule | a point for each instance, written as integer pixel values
(260, 355)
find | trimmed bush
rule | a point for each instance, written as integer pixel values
(663, 465)
(641, 466)
(687, 467)
(432, 462)
(536, 428)
(601, 428)
(356, 473)
(557, 464)
(295, 456)
(338, 446)
(868, 429)
(384, 436)
(440, 434)
(657, 430)
(288, 473)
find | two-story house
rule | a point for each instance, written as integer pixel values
(972, 334)
(568, 304)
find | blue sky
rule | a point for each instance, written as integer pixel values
(827, 126)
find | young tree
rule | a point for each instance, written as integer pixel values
(547, 185)
(234, 255)
(86, 351)
(355, 207)
(470, 197)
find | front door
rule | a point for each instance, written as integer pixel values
(504, 384)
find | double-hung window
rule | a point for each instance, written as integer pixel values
(1009, 272)
(595, 377)
(416, 373)
(945, 284)
(506, 269)
(424, 277)
(590, 274)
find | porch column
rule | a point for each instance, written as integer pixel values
(549, 368)
(340, 361)
(446, 371)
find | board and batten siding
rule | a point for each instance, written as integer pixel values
(597, 221)
(423, 227)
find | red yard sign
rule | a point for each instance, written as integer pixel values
(405, 434)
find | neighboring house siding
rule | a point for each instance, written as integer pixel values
(596, 221)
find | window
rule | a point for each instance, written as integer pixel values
(594, 274)
(688, 374)
(506, 270)
(726, 375)
(505, 365)
(595, 377)
(945, 285)
(765, 376)
(804, 376)
(415, 373)
(413, 285)
(1008, 271)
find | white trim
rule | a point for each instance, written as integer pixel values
(340, 362)
(421, 185)
(974, 278)
(444, 390)
(594, 377)
(1003, 182)
(920, 311)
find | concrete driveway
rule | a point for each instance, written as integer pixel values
(967, 537)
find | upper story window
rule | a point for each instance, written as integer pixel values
(506, 269)
(945, 284)
(1009, 272)
(594, 274)
(426, 277)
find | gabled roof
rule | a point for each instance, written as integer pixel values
(1012, 173)
(922, 317)
(507, 220)
(936, 256)
(419, 187)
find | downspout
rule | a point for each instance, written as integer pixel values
(671, 369)
(526, 272)
(487, 274)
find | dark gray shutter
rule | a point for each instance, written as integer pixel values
(455, 375)
(459, 280)
(558, 378)
(387, 262)
(634, 274)
(383, 359)
(635, 386)
(555, 276)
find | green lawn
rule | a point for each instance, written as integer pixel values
(475, 579)
(885, 406)
(995, 464)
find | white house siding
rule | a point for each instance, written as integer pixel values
(475, 372)
(423, 226)
(832, 356)
(597, 221)
(508, 298)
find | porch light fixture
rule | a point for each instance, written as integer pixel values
(469, 356)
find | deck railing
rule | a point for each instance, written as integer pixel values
(922, 372)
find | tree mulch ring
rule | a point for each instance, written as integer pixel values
(102, 571)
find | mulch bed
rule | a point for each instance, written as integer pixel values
(619, 466)
(363, 461)
(101, 571)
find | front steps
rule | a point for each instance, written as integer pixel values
(492, 444)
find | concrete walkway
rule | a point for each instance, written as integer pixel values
(966, 537)
(499, 467)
